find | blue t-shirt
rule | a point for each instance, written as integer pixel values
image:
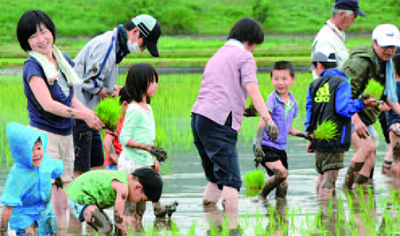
(392, 116)
(38, 117)
(282, 115)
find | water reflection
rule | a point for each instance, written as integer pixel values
(362, 204)
(278, 224)
(298, 215)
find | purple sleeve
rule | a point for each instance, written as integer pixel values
(248, 69)
(296, 110)
(270, 103)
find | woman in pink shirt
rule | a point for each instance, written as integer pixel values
(229, 77)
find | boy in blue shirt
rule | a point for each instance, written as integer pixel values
(329, 98)
(283, 108)
(27, 193)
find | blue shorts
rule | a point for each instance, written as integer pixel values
(77, 209)
(88, 147)
(371, 132)
(216, 145)
(47, 225)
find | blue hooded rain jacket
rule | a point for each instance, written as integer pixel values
(28, 188)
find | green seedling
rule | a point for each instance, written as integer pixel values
(254, 181)
(374, 89)
(326, 131)
(108, 110)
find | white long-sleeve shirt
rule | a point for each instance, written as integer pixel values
(331, 36)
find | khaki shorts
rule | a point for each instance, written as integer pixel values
(61, 147)
(328, 161)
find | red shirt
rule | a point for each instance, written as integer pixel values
(115, 141)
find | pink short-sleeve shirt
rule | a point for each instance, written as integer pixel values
(222, 89)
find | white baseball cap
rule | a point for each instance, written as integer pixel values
(386, 35)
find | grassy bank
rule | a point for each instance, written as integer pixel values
(203, 17)
(186, 51)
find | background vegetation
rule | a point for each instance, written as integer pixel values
(202, 17)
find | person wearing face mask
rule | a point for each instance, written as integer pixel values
(97, 65)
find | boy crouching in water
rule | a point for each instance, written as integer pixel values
(94, 191)
(329, 98)
(283, 108)
(27, 193)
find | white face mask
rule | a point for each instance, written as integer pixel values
(133, 47)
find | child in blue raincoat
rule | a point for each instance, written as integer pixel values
(27, 193)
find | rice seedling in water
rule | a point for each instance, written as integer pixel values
(326, 131)
(108, 110)
(254, 181)
(374, 89)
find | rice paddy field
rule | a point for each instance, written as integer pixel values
(373, 212)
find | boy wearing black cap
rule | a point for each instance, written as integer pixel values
(329, 98)
(97, 64)
(94, 191)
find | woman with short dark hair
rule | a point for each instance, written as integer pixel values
(48, 80)
(229, 77)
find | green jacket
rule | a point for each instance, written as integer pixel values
(360, 68)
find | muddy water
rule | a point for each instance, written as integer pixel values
(185, 183)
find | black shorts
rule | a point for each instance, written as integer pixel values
(271, 155)
(88, 147)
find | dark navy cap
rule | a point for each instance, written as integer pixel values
(351, 5)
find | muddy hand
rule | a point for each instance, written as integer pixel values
(250, 112)
(171, 208)
(59, 183)
(272, 130)
(159, 153)
(306, 135)
(258, 154)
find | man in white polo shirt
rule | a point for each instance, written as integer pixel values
(332, 34)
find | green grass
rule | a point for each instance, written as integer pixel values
(204, 17)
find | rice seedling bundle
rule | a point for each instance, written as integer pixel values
(254, 181)
(326, 131)
(108, 110)
(374, 89)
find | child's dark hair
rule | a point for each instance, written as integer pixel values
(124, 96)
(283, 65)
(139, 78)
(27, 26)
(39, 140)
(326, 65)
(151, 182)
(247, 29)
